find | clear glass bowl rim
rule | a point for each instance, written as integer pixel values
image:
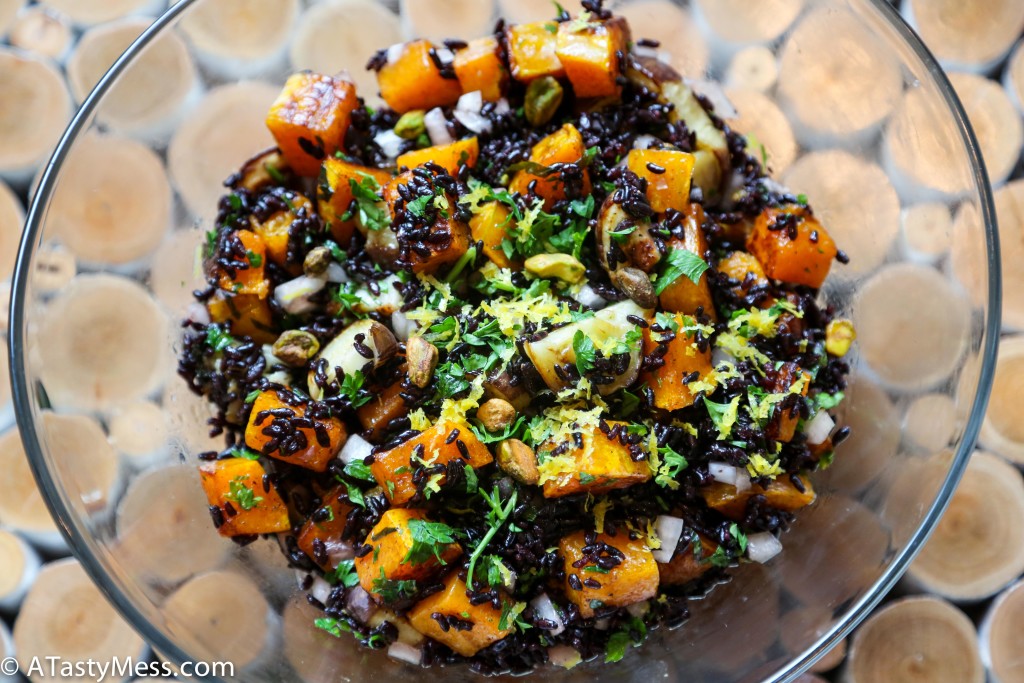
(23, 404)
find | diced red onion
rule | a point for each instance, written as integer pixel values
(668, 529)
(395, 52)
(716, 95)
(444, 55)
(338, 550)
(545, 609)
(563, 656)
(644, 141)
(293, 296)
(402, 326)
(603, 624)
(336, 274)
(356, 448)
(321, 590)
(467, 111)
(638, 609)
(719, 355)
(437, 127)
(405, 653)
(359, 604)
(727, 474)
(762, 547)
(819, 428)
(389, 142)
(502, 106)
(590, 298)
(197, 313)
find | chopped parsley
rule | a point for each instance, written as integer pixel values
(672, 463)
(391, 590)
(373, 215)
(239, 492)
(680, 263)
(333, 626)
(585, 352)
(255, 260)
(428, 540)
(344, 574)
(352, 389)
(723, 415)
(217, 338)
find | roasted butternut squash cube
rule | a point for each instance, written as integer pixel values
(248, 315)
(668, 383)
(250, 278)
(603, 464)
(449, 157)
(274, 230)
(393, 469)
(453, 604)
(668, 174)
(413, 81)
(310, 118)
(685, 566)
(633, 580)
(448, 238)
(564, 146)
(683, 296)
(247, 503)
(315, 447)
(326, 534)
(590, 55)
(741, 265)
(396, 554)
(387, 405)
(490, 226)
(479, 67)
(788, 379)
(533, 51)
(781, 494)
(335, 195)
(792, 246)
(452, 242)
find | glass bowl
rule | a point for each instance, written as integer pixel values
(851, 109)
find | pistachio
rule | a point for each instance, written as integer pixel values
(421, 357)
(543, 98)
(411, 125)
(839, 335)
(635, 284)
(295, 347)
(561, 266)
(317, 261)
(496, 414)
(519, 461)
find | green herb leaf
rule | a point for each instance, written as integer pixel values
(352, 389)
(723, 415)
(373, 215)
(680, 263)
(391, 590)
(344, 574)
(585, 352)
(333, 626)
(243, 452)
(217, 337)
(358, 470)
(428, 539)
(239, 492)
(496, 517)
